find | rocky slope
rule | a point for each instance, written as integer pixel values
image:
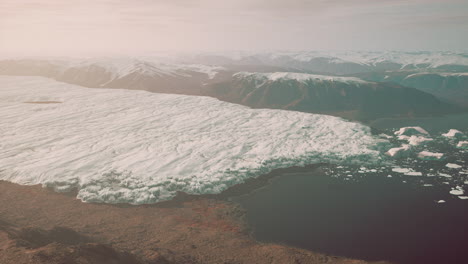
(342, 96)
(449, 86)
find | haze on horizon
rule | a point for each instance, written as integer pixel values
(90, 27)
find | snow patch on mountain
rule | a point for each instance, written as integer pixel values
(301, 77)
(366, 58)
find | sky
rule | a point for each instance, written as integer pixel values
(91, 27)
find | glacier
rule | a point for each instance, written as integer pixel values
(137, 147)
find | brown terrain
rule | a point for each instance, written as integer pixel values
(38, 225)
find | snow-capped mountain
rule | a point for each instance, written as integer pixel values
(342, 63)
(448, 86)
(273, 80)
(125, 73)
(348, 97)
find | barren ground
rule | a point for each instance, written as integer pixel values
(40, 226)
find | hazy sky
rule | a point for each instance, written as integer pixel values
(68, 27)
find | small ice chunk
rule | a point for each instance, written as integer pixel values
(410, 131)
(428, 185)
(453, 133)
(453, 166)
(463, 197)
(426, 155)
(440, 201)
(389, 176)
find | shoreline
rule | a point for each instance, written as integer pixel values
(250, 185)
(188, 229)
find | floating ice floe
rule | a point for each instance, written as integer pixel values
(415, 140)
(127, 146)
(463, 197)
(401, 170)
(440, 201)
(403, 151)
(453, 133)
(462, 145)
(410, 131)
(407, 172)
(457, 191)
(413, 173)
(385, 136)
(453, 166)
(426, 155)
(445, 175)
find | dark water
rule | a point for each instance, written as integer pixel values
(371, 216)
(377, 218)
(433, 125)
